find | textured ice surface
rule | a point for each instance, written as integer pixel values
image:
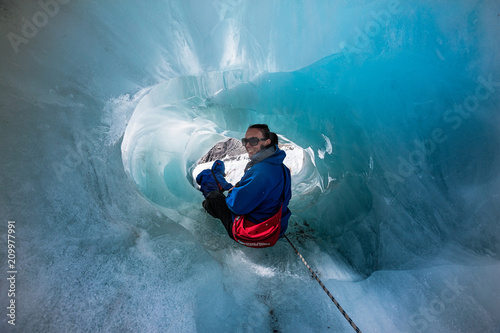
(107, 106)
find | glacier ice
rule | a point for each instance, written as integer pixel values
(106, 107)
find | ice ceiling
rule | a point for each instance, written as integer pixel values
(105, 107)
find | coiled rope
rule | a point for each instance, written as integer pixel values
(325, 289)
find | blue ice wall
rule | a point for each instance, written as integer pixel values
(105, 108)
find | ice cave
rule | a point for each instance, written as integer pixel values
(107, 106)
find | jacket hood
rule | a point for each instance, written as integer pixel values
(276, 158)
(219, 166)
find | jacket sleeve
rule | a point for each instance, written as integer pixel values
(223, 182)
(246, 197)
(199, 177)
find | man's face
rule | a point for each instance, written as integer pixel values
(255, 133)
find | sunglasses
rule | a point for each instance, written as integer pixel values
(253, 141)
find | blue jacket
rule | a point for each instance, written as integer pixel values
(207, 181)
(258, 195)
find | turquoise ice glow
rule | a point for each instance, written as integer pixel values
(105, 108)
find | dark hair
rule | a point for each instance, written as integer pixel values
(274, 138)
(263, 128)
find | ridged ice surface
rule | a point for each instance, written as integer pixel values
(107, 106)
